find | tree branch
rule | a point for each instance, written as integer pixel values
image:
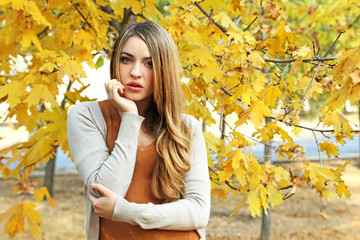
(78, 10)
(295, 59)
(314, 129)
(247, 28)
(333, 45)
(209, 16)
(308, 89)
(318, 147)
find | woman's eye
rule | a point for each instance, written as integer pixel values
(125, 60)
(149, 64)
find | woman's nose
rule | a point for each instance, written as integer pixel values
(135, 71)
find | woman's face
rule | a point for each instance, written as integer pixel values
(136, 71)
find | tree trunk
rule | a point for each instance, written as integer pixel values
(266, 219)
(49, 175)
(265, 225)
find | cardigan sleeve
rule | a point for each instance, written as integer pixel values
(86, 135)
(190, 212)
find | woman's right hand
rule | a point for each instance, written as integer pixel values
(115, 92)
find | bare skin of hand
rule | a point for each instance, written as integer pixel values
(115, 92)
(103, 206)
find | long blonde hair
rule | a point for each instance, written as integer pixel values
(164, 118)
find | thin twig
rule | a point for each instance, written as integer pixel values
(86, 21)
(222, 118)
(308, 89)
(282, 75)
(318, 147)
(286, 197)
(313, 129)
(209, 16)
(333, 45)
(226, 181)
(242, 134)
(247, 28)
(295, 59)
(78, 10)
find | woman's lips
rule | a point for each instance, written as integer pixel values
(134, 86)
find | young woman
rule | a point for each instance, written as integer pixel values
(143, 161)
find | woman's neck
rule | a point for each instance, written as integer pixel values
(144, 106)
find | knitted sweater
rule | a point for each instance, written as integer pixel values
(87, 142)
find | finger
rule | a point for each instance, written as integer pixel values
(91, 197)
(104, 191)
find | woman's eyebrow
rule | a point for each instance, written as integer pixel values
(130, 55)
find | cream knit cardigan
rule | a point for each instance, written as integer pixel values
(86, 130)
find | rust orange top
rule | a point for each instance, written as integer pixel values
(139, 190)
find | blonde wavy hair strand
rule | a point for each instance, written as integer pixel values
(164, 119)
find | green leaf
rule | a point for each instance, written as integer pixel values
(100, 62)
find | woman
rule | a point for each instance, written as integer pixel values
(143, 162)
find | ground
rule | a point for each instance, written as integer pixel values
(298, 218)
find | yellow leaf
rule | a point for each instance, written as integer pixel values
(16, 223)
(238, 206)
(354, 94)
(247, 95)
(227, 171)
(355, 76)
(236, 37)
(319, 175)
(258, 84)
(244, 71)
(273, 94)
(33, 218)
(280, 174)
(272, 11)
(263, 198)
(327, 193)
(14, 91)
(256, 59)
(323, 213)
(7, 213)
(16, 4)
(225, 21)
(274, 195)
(31, 8)
(254, 202)
(39, 92)
(258, 111)
(330, 148)
(219, 193)
(30, 37)
(303, 52)
(341, 168)
(341, 189)
(41, 193)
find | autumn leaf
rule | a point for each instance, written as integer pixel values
(16, 222)
(330, 148)
(238, 206)
(237, 61)
(41, 193)
(324, 214)
(275, 198)
(254, 202)
(355, 76)
(219, 193)
(341, 189)
(258, 111)
(13, 91)
(272, 11)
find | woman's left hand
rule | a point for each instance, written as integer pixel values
(103, 206)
